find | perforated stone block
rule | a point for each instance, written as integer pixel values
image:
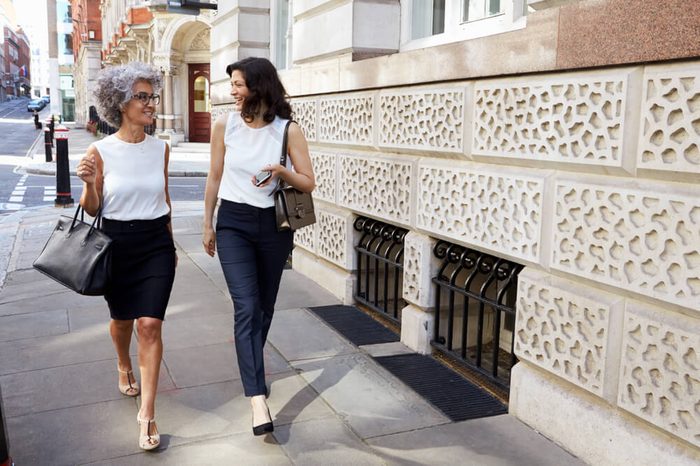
(376, 185)
(346, 120)
(646, 241)
(571, 330)
(570, 118)
(670, 118)
(430, 119)
(499, 210)
(660, 369)
(420, 266)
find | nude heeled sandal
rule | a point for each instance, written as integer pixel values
(130, 389)
(148, 441)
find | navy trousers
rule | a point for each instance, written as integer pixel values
(252, 254)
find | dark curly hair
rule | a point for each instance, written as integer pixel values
(264, 85)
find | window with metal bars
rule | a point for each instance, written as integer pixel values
(379, 273)
(475, 310)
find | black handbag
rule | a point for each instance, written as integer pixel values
(293, 208)
(77, 254)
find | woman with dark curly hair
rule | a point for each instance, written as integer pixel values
(126, 176)
(245, 153)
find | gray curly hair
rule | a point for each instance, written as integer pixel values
(115, 86)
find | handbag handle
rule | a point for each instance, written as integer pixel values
(96, 222)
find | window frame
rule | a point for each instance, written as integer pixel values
(456, 30)
(462, 4)
(274, 27)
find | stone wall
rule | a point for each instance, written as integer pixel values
(587, 178)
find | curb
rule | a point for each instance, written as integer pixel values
(175, 173)
(32, 148)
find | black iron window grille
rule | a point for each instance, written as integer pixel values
(379, 284)
(475, 310)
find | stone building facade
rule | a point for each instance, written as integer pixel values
(560, 136)
(87, 46)
(176, 40)
(16, 63)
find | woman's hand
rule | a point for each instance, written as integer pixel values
(209, 241)
(276, 170)
(87, 169)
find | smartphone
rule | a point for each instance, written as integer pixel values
(262, 177)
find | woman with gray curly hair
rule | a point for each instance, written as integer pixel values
(125, 179)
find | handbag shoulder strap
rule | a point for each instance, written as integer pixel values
(283, 156)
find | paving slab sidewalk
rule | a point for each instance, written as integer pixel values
(332, 404)
(79, 139)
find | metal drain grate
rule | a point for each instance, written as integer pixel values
(355, 325)
(448, 391)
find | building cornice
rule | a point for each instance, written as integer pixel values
(561, 38)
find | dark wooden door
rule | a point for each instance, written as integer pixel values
(199, 103)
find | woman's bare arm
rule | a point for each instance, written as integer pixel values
(90, 171)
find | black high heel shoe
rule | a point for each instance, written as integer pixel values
(265, 428)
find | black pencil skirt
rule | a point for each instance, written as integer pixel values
(143, 268)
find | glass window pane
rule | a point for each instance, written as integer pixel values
(282, 24)
(201, 94)
(438, 16)
(427, 18)
(478, 9)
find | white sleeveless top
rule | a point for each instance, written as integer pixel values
(248, 150)
(134, 180)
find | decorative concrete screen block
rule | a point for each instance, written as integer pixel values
(570, 330)
(430, 120)
(335, 238)
(325, 169)
(497, 210)
(377, 186)
(419, 268)
(219, 110)
(305, 115)
(347, 120)
(564, 119)
(660, 370)
(306, 237)
(646, 241)
(670, 131)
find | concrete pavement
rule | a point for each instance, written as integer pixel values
(182, 162)
(331, 403)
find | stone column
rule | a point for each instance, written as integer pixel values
(417, 319)
(168, 100)
(159, 111)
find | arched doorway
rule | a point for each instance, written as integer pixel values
(199, 102)
(185, 53)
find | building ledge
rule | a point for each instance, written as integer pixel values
(578, 35)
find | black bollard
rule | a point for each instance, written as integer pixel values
(47, 123)
(63, 194)
(48, 145)
(52, 127)
(5, 459)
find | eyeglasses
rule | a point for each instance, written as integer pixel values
(145, 98)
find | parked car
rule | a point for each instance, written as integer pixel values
(46, 99)
(36, 104)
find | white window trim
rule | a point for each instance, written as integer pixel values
(273, 34)
(512, 19)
